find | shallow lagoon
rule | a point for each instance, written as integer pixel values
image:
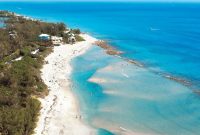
(123, 98)
(2, 22)
(1, 25)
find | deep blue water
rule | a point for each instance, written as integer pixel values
(165, 37)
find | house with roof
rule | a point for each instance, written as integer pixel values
(12, 34)
(56, 40)
(44, 37)
(72, 40)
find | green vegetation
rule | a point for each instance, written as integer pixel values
(76, 31)
(20, 81)
(20, 32)
(79, 38)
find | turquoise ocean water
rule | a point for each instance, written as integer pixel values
(2, 19)
(115, 95)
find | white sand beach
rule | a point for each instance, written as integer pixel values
(60, 112)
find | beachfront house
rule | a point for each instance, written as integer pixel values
(71, 34)
(12, 34)
(44, 37)
(72, 40)
(67, 31)
(56, 40)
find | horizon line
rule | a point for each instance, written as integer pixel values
(44, 1)
(124, 1)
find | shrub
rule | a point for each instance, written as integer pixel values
(34, 56)
(20, 80)
(42, 48)
(79, 38)
(25, 51)
(76, 31)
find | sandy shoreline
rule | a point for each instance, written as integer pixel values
(59, 114)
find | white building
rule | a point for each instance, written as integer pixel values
(72, 40)
(13, 34)
(56, 40)
(67, 31)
